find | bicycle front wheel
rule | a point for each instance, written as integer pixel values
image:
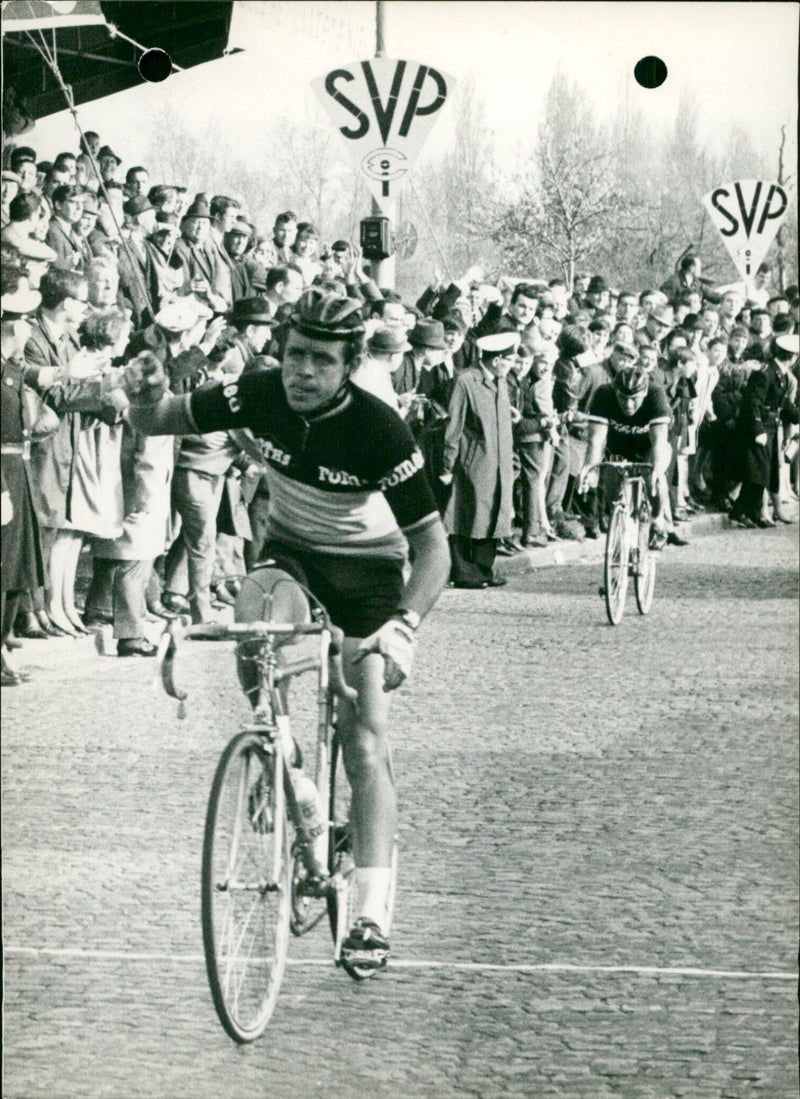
(615, 569)
(343, 900)
(246, 886)
(644, 578)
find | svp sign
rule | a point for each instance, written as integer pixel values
(384, 109)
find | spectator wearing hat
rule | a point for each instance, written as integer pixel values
(84, 227)
(251, 325)
(768, 399)
(108, 163)
(67, 212)
(159, 245)
(385, 349)
(20, 546)
(478, 462)
(760, 335)
(188, 255)
(8, 191)
(427, 350)
(598, 297)
(138, 279)
(658, 323)
(236, 242)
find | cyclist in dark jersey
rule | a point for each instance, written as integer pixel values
(348, 500)
(629, 421)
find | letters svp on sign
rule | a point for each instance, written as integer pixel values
(384, 109)
(748, 214)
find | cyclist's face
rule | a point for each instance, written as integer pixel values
(313, 371)
(631, 405)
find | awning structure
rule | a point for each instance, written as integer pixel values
(98, 45)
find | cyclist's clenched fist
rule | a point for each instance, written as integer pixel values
(144, 379)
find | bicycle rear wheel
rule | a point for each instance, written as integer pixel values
(615, 567)
(246, 886)
(644, 578)
(343, 901)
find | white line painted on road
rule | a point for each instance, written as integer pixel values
(468, 967)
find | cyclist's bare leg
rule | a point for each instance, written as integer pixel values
(367, 759)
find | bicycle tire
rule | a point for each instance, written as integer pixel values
(644, 578)
(615, 566)
(246, 844)
(341, 861)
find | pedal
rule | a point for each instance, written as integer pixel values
(364, 959)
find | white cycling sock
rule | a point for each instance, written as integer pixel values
(372, 883)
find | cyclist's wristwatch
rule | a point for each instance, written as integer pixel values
(409, 618)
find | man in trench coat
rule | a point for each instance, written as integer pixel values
(478, 451)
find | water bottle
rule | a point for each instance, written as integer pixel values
(310, 805)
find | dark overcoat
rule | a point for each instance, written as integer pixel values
(478, 450)
(767, 400)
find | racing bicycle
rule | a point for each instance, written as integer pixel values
(265, 873)
(627, 551)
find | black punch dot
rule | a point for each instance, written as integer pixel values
(650, 72)
(155, 65)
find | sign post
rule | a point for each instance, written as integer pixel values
(747, 214)
(384, 109)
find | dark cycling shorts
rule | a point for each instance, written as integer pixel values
(359, 593)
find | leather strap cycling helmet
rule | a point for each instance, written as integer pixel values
(326, 316)
(631, 381)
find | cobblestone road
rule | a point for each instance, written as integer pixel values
(598, 880)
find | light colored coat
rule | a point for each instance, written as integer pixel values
(478, 450)
(147, 462)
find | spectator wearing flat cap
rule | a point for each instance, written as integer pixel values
(159, 245)
(235, 243)
(67, 212)
(478, 462)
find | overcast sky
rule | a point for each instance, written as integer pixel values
(739, 58)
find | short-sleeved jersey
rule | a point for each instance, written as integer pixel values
(629, 436)
(349, 480)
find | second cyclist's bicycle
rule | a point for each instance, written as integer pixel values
(266, 870)
(627, 551)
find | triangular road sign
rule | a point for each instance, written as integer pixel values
(384, 109)
(748, 214)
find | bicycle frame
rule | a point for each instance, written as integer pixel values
(270, 712)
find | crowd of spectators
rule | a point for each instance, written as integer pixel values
(101, 265)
